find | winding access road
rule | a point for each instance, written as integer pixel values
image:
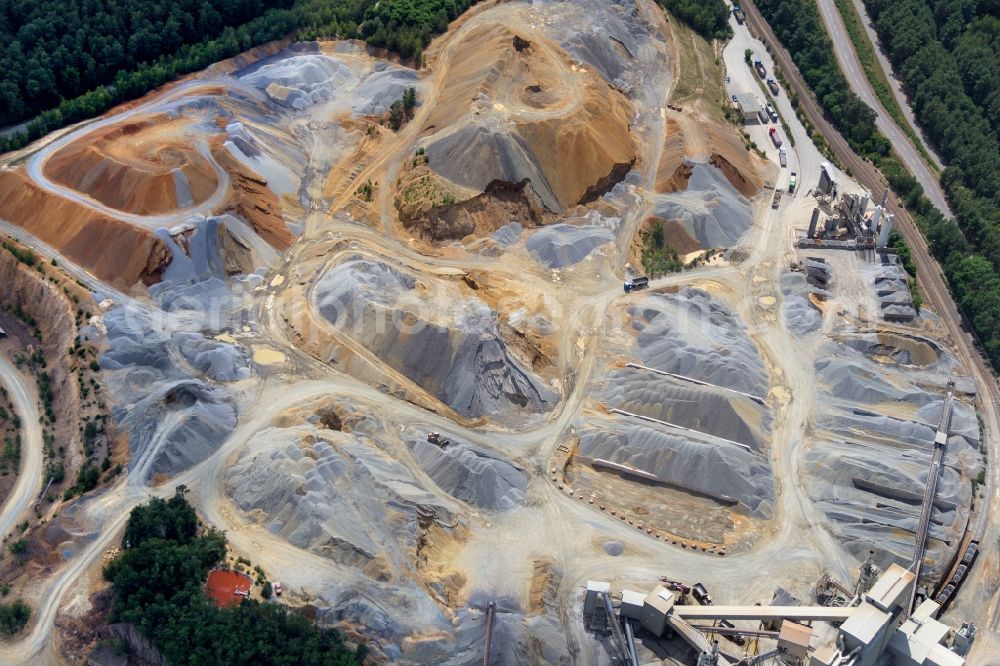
(897, 91)
(850, 65)
(30, 475)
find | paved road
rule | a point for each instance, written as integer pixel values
(851, 67)
(897, 90)
(30, 475)
(930, 279)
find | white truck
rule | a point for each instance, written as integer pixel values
(783, 157)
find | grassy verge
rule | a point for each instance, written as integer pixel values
(699, 70)
(865, 50)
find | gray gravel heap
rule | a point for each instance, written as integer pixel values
(464, 362)
(712, 211)
(218, 360)
(472, 475)
(562, 245)
(692, 334)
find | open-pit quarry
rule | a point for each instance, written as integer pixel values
(399, 370)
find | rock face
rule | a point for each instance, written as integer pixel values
(528, 120)
(256, 203)
(458, 355)
(114, 251)
(133, 167)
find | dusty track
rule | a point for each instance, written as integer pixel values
(30, 475)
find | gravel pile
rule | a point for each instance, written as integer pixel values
(472, 475)
(711, 210)
(692, 334)
(455, 352)
(219, 361)
(562, 245)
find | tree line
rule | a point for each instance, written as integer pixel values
(709, 18)
(60, 49)
(64, 61)
(968, 251)
(946, 53)
(158, 581)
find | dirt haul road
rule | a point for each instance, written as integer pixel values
(30, 474)
(932, 285)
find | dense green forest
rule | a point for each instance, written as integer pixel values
(969, 260)
(947, 54)
(68, 60)
(60, 49)
(158, 581)
(709, 18)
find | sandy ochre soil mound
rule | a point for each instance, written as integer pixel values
(518, 108)
(256, 203)
(146, 167)
(687, 140)
(120, 253)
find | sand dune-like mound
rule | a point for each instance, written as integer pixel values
(520, 109)
(112, 250)
(146, 167)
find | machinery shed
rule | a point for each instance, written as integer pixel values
(749, 107)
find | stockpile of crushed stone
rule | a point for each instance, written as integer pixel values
(474, 156)
(692, 334)
(299, 80)
(799, 316)
(894, 293)
(717, 413)
(379, 89)
(865, 384)
(869, 458)
(683, 460)
(452, 347)
(562, 245)
(607, 37)
(471, 474)
(175, 427)
(334, 494)
(218, 360)
(711, 210)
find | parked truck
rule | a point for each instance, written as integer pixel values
(635, 284)
(759, 66)
(773, 85)
(775, 139)
(782, 157)
(791, 182)
(738, 14)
